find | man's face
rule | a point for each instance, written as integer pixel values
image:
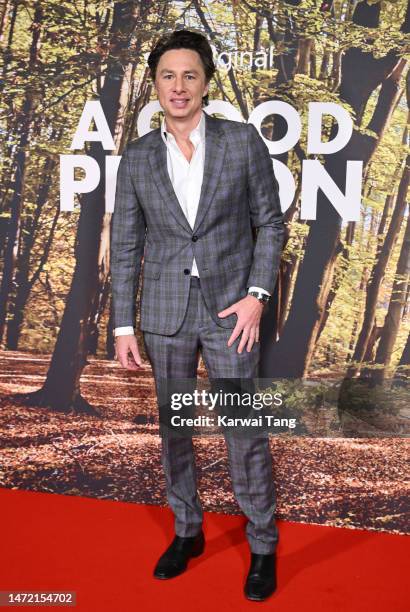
(180, 83)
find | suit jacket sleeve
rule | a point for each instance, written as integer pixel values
(266, 214)
(127, 241)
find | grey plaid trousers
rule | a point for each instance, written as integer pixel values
(176, 357)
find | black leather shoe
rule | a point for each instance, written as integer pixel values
(261, 579)
(175, 559)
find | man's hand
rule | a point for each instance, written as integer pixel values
(127, 352)
(249, 312)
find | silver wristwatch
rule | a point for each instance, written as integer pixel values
(262, 297)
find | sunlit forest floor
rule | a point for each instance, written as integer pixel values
(349, 482)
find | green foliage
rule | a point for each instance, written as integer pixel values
(48, 86)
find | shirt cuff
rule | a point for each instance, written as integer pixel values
(258, 289)
(124, 331)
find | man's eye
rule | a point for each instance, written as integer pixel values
(169, 76)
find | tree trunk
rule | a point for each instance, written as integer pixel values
(23, 283)
(379, 270)
(402, 375)
(61, 389)
(286, 65)
(291, 356)
(7, 55)
(393, 317)
(231, 73)
(13, 232)
(3, 17)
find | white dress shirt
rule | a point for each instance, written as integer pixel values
(186, 178)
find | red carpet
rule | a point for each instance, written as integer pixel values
(105, 551)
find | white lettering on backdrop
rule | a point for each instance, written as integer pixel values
(314, 175)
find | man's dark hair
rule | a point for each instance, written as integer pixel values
(184, 39)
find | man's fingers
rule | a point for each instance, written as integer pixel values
(136, 354)
(126, 361)
(236, 331)
(244, 339)
(251, 339)
(131, 365)
(128, 353)
(227, 311)
(121, 355)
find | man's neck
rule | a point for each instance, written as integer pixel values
(181, 128)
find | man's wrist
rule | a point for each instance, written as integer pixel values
(126, 330)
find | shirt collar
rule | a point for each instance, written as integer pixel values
(197, 135)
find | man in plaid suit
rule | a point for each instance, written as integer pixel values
(188, 195)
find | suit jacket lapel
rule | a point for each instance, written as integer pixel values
(215, 146)
(158, 162)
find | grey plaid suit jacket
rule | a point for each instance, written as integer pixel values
(239, 191)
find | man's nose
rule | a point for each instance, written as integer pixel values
(179, 84)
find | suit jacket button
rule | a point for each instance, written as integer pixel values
(194, 238)
(187, 271)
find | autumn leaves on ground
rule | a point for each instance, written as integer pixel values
(338, 481)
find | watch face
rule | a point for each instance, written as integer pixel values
(261, 297)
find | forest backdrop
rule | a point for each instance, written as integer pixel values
(341, 304)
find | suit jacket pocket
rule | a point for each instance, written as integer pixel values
(151, 269)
